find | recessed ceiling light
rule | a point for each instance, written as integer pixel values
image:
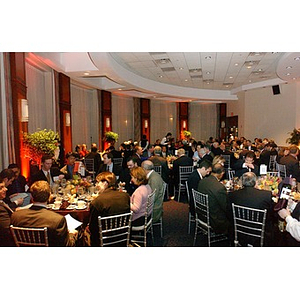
(250, 80)
(227, 85)
(160, 76)
(86, 73)
(249, 67)
(288, 74)
(180, 68)
(207, 72)
(230, 77)
(207, 57)
(297, 58)
(236, 64)
(119, 89)
(289, 67)
(207, 82)
(185, 80)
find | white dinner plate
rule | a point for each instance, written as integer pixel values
(84, 207)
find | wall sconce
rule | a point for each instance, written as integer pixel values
(107, 122)
(184, 124)
(24, 110)
(68, 119)
(146, 124)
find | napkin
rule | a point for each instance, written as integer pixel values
(71, 222)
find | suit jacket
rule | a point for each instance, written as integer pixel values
(292, 166)
(180, 161)
(39, 217)
(6, 238)
(41, 176)
(97, 160)
(239, 170)
(253, 198)
(109, 203)
(160, 161)
(155, 181)
(126, 177)
(217, 202)
(116, 169)
(193, 182)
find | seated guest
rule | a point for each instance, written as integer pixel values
(47, 173)
(202, 154)
(38, 216)
(93, 154)
(246, 165)
(114, 152)
(83, 151)
(109, 202)
(291, 163)
(70, 169)
(109, 166)
(156, 183)
(150, 150)
(251, 197)
(138, 152)
(292, 224)
(7, 176)
(202, 171)
(217, 199)
(6, 239)
(158, 160)
(182, 160)
(19, 183)
(125, 176)
(215, 148)
(138, 200)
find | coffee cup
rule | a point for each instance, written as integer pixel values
(57, 204)
(80, 204)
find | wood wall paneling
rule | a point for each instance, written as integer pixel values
(106, 116)
(145, 118)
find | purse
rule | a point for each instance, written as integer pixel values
(282, 203)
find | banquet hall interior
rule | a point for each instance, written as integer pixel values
(83, 95)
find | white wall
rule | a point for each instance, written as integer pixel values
(262, 114)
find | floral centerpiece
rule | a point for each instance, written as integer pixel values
(294, 138)
(110, 136)
(187, 134)
(39, 143)
(269, 183)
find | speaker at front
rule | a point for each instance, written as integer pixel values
(276, 89)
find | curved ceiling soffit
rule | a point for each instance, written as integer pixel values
(288, 67)
(105, 63)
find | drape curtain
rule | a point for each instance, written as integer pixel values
(84, 116)
(163, 119)
(122, 118)
(203, 120)
(41, 103)
(6, 121)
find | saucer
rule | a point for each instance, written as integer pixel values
(71, 206)
(54, 208)
(84, 207)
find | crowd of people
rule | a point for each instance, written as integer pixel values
(23, 202)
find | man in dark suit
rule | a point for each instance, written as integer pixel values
(93, 154)
(246, 165)
(158, 160)
(138, 152)
(47, 173)
(125, 176)
(292, 163)
(202, 171)
(109, 202)
(38, 216)
(217, 199)
(182, 160)
(251, 197)
(108, 165)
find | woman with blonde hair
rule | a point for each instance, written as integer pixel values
(138, 200)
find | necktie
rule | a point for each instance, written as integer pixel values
(48, 177)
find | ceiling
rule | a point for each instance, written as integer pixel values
(175, 76)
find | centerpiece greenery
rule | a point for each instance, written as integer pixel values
(39, 143)
(111, 136)
(294, 138)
